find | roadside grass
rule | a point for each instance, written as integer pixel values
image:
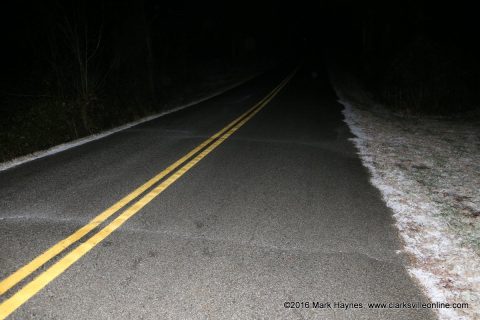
(428, 171)
(440, 153)
(33, 123)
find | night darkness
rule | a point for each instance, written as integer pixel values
(162, 47)
(348, 177)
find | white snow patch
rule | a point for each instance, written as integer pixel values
(428, 172)
(75, 143)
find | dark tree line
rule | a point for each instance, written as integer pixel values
(416, 56)
(71, 68)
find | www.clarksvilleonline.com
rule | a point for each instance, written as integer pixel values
(372, 305)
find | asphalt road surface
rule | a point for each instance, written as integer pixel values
(280, 210)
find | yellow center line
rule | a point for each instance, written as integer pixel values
(12, 280)
(37, 284)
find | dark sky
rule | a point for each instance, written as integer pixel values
(270, 21)
(199, 30)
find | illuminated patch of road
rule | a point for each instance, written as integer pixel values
(38, 283)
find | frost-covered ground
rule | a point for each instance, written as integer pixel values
(428, 171)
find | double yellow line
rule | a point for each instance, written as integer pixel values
(43, 279)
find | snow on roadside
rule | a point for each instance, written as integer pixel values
(428, 171)
(75, 143)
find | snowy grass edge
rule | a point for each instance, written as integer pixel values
(424, 235)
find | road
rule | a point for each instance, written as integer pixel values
(281, 210)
